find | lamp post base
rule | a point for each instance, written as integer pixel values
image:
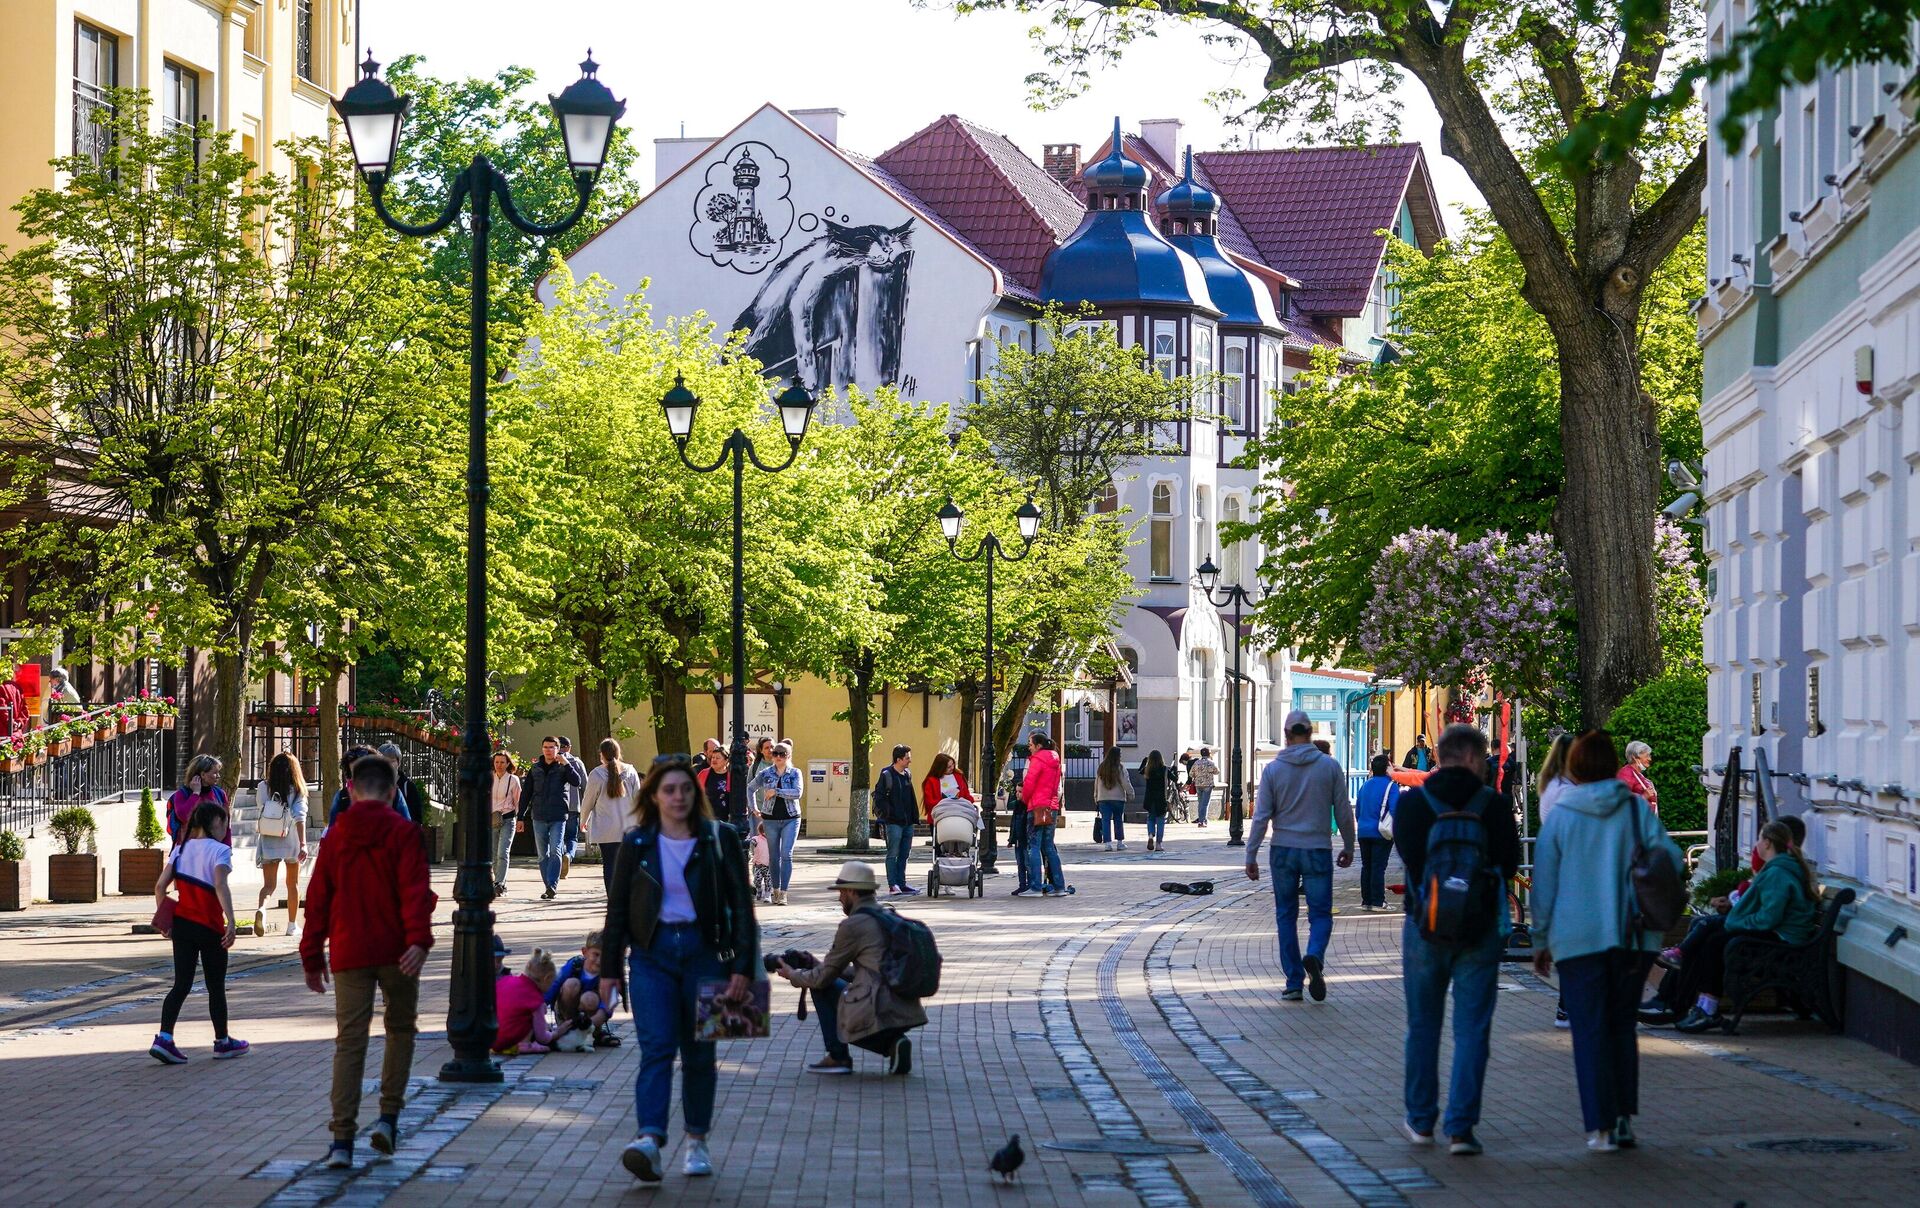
(476, 1070)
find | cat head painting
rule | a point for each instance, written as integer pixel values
(878, 245)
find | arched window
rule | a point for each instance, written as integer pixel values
(1232, 557)
(1160, 532)
(1233, 391)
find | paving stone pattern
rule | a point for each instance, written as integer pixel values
(1135, 1040)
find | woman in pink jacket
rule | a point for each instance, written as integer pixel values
(1040, 790)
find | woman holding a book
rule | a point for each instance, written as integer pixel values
(680, 912)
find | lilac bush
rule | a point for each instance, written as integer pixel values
(1495, 611)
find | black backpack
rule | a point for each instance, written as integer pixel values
(911, 964)
(1457, 899)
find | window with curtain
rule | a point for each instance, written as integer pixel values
(179, 97)
(96, 70)
(1160, 532)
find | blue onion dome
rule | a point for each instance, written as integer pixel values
(1116, 173)
(1187, 201)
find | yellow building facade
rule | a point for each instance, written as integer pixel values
(266, 70)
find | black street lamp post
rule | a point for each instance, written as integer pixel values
(1238, 596)
(796, 409)
(989, 550)
(373, 116)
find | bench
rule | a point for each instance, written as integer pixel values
(1806, 976)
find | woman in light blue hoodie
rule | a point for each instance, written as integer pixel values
(1582, 918)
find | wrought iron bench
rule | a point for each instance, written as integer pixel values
(1806, 976)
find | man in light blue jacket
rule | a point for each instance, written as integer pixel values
(1301, 792)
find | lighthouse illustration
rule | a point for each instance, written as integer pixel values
(744, 211)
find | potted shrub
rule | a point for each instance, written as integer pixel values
(73, 875)
(140, 866)
(16, 876)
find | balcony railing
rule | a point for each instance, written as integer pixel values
(109, 762)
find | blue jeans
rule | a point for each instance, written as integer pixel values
(1298, 870)
(899, 843)
(1206, 795)
(1112, 817)
(1157, 827)
(781, 832)
(1043, 858)
(1426, 970)
(502, 846)
(609, 852)
(550, 839)
(826, 1004)
(1602, 996)
(661, 993)
(1374, 854)
(573, 834)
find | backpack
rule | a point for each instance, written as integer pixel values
(273, 820)
(1458, 895)
(911, 964)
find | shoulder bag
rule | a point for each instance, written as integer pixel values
(1386, 812)
(1658, 881)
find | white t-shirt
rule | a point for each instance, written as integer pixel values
(677, 906)
(1551, 794)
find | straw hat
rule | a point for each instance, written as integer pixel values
(857, 874)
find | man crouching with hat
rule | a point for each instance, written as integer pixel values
(854, 1002)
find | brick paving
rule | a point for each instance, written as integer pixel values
(1120, 1015)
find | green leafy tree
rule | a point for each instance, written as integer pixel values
(199, 363)
(1510, 83)
(1461, 433)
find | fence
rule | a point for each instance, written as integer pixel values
(296, 729)
(112, 764)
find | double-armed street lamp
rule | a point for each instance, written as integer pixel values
(796, 410)
(373, 116)
(990, 550)
(1238, 596)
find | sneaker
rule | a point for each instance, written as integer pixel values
(339, 1155)
(1623, 1137)
(382, 1134)
(1658, 1017)
(259, 922)
(293, 931)
(1465, 1147)
(641, 1157)
(1316, 983)
(229, 1047)
(1601, 1142)
(1291, 994)
(698, 1163)
(1699, 1021)
(1560, 1019)
(499, 889)
(550, 894)
(1119, 847)
(1021, 892)
(166, 1052)
(566, 866)
(830, 1065)
(1669, 958)
(1413, 1134)
(900, 1061)
(910, 891)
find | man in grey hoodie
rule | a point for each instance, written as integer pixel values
(1300, 792)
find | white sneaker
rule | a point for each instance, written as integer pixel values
(1106, 847)
(698, 1162)
(293, 931)
(641, 1157)
(1119, 847)
(1601, 1142)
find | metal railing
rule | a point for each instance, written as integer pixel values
(296, 729)
(107, 770)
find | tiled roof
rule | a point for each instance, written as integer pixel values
(987, 190)
(1311, 212)
(1014, 289)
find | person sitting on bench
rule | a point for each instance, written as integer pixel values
(1781, 904)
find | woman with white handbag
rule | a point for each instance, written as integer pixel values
(282, 837)
(1374, 812)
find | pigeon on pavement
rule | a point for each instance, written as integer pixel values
(1008, 1159)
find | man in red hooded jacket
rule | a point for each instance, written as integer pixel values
(370, 895)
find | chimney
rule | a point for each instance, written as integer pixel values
(1061, 161)
(672, 154)
(1163, 135)
(823, 122)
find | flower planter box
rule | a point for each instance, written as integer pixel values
(16, 884)
(127, 725)
(106, 733)
(57, 749)
(75, 878)
(82, 742)
(149, 722)
(166, 721)
(36, 758)
(139, 869)
(13, 765)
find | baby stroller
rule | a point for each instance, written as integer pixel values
(956, 848)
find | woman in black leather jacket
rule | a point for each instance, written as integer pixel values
(681, 902)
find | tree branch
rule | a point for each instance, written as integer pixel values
(1640, 58)
(1553, 51)
(1658, 229)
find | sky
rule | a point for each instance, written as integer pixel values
(893, 67)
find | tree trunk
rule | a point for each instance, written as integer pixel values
(1604, 520)
(669, 701)
(221, 736)
(329, 738)
(859, 722)
(1012, 716)
(969, 693)
(594, 714)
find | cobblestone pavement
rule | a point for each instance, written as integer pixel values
(1134, 1039)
